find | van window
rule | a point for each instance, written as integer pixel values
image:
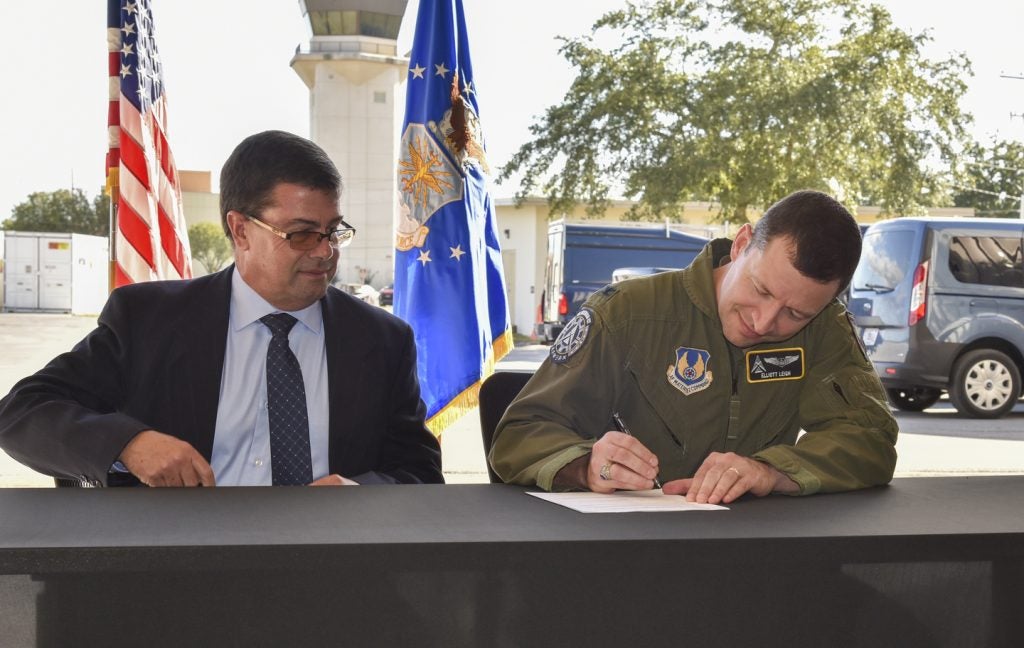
(886, 257)
(595, 264)
(988, 260)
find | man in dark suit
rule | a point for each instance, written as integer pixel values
(171, 389)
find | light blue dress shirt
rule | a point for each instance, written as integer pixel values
(241, 442)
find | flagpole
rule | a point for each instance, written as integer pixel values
(113, 191)
(113, 157)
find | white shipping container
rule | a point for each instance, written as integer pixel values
(55, 272)
(21, 259)
(2, 264)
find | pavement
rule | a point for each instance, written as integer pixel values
(930, 444)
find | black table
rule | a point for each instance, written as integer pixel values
(936, 561)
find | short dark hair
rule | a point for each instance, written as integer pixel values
(264, 160)
(826, 238)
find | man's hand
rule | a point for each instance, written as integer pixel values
(159, 459)
(723, 477)
(334, 480)
(620, 462)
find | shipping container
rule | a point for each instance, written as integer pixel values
(3, 263)
(53, 272)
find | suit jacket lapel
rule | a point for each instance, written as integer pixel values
(348, 350)
(202, 335)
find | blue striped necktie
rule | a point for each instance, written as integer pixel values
(286, 402)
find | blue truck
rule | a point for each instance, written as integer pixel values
(583, 256)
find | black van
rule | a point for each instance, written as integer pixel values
(582, 258)
(939, 305)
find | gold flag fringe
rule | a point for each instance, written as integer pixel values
(469, 397)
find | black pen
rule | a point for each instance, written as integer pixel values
(625, 430)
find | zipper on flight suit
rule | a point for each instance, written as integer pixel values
(839, 390)
(732, 431)
(650, 405)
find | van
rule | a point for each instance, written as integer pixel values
(582, 257)
(939, 306)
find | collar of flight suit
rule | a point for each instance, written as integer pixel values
(700, 281)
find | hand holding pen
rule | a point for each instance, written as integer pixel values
(621, 462)
(625, 430)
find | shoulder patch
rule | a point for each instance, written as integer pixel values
(691, 371)
(853, 332)
(770, 365)
(572, 337)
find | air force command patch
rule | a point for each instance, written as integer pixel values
(691, 372)
(572, 337)
(767, 365)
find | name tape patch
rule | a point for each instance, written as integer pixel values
(769, 365)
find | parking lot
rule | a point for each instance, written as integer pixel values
(935, 442)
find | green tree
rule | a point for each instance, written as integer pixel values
(209, 245)
(992, 179)
(64, 210)
(743, 101)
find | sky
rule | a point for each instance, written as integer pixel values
(227, 74)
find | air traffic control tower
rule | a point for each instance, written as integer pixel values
(356, 104)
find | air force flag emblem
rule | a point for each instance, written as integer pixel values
(691, 372)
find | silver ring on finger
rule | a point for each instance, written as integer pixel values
(733, 470)
(606, 471)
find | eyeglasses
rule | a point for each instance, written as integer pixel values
(306, 240)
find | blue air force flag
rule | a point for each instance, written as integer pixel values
(449, 283)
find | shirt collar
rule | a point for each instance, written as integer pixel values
(699, 278)
(247, 307)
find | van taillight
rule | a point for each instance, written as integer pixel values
(563, 305)
(918, 294)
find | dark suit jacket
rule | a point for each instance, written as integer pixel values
(155, 362)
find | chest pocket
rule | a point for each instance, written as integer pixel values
(674, 426)
(769, 414)
(770, 381)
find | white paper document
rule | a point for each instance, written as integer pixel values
(625, 502)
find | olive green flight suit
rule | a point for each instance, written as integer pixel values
(652, 350)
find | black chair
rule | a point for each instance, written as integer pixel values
(496, 393)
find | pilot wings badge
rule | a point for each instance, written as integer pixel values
(767, 365)
(691, 372)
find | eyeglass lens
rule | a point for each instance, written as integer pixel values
(309, 240)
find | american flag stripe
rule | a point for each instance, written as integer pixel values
(150, 240)
(133, 158)
(136, 231)
(130, 264)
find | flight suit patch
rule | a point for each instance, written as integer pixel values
(572, 337)
(769, 365)
(853, 332)
(691, 372)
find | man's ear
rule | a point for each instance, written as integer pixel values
(742, 240)
(236, 223)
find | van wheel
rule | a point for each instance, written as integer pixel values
(986, 384)
(913, 399)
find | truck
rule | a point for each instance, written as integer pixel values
(582, 257)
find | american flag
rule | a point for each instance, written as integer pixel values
(150, 239)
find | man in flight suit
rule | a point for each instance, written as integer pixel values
(713, 370)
